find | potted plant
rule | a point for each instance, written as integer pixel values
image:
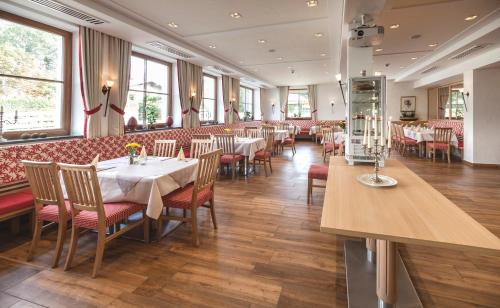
(150, 112)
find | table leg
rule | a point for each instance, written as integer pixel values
(371, 248)
(246, 165)
(386, 273)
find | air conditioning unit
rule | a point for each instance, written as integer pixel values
(366, 36)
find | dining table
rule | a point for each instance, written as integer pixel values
(145, 182)
(423, 135)
(281, 134)
(248, 147)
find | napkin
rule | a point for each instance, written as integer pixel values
(181, 156)
(143, 154)
(95, 160)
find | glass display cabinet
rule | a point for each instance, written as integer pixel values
(367, 98)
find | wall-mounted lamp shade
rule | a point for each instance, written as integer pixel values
(109, 83)
(338, 77)
(193, 94)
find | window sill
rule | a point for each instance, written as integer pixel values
(299, 118)
(37, 140)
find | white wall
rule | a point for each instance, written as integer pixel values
(270, 96)
(397, 89)
(328, 92)
(469, 117)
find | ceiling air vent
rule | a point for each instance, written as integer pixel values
(170, 50)
(220, 69)
(467, 52)
(69, 11)
(430, 69)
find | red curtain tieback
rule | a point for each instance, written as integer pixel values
(92, 111)
(226, 110)
(194, 109)
(117, 109)
(185, 111)
(314, 110)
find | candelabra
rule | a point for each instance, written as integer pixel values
(377, 153)
(2, 121)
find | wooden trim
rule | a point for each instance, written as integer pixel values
(215, 99)
(67, 74)
(479, 165)
(17, 213)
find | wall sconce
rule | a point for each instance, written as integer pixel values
(332, 104)
(465, 101)
(341, 85)
(273, 107)
(105, 90)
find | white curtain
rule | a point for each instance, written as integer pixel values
(197, 87)
(226, 97)
(283, 101)
(120, 53)
(183, 74)
(313, 100)
(90, 67)
(235, 85)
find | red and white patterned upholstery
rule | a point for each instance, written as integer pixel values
(410, 141)
(181, 198)
(16, 201)
(318, 172)
(115, 212)
(228, 158)
(51, 213)
(456, 125)
(305, 125)
(262, 154)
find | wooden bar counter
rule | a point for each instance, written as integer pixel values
(413, 212)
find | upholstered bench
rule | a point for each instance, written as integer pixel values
(15, 204)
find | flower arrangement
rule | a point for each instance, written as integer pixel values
(132, 151)
(227, 130)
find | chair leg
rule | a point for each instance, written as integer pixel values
(233, 166)
(159, 228)
(449, 156)
(434, 155)
(309, 190)
(194, 223)
(146, 223)
(72, 247)
(212, 212)
(101, 242)
(270, 166)
(61, 236)
(265, 167)
(36, 238)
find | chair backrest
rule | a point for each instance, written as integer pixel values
(200, 136)
(45, 184)
(267, 131)
(164, 148)
(269, 143)
(240, 132)
(328, 136)
(208, 164)
(82, 186)
(400, 133)
(254, 133)
(284, 126)
(200, 146)
(443, 134)
(250, 127)
(225, 143)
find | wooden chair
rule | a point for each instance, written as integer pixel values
(289, 142)
(200, 137)
(442, 142)
(229, 156)
(395, 136)
(49, 204)
(239, 132)
(266, 132)
(284, 126)
(164, 148)
(264, 156)
(89, 212)
(319, 135)
(405, 142)
(195, 195)
(247, 128)
(254, 133)
(329, 145)
(200, 146)
(316, 172)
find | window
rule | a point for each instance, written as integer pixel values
(451, 102)
(246, 104)
(149, 90)
(298, 104)
(208, 109)
(35, 77)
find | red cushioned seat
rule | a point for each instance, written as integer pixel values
(51, 212)
(16, 201)
(262, 154)
(181, 198)
(288, 140)
(319, 172)
(330, 146)
(114, 212)
(227, 158)
(460, 144)
(439, 146)
(410, 141)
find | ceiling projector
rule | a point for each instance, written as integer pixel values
(366, 36)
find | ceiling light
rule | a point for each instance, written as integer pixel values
(235, 15)
(394, 26)
(377, 73)
(279, 58)
(378, 49)
(433, 45)
(255, 70)
(261, 41)
(241, 62)
(318, 34)
(322, 54)
(172, 25)
(469, 18)
(338, 76)
(414, 58)
(327, 73)
(402, 67)
(312, 3)
(212, 46)
(290, 67)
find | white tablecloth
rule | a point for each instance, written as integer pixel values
(338, 137)
(291, 129)
(248, 146)
(144, 184)
(281, 134)
(426, 135)
(313, 130)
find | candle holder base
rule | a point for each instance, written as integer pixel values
(374, 180)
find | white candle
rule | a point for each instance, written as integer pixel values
(375, 125)
(382, 128)
(389, 135)
(365, 131)
(369, 134)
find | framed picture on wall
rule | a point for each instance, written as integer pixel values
(408, 103)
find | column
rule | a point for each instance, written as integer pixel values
(386, 273)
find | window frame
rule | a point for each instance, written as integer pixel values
(287, 117)
(169, 86)
(67, 78)
(252, 103)
(215, 99)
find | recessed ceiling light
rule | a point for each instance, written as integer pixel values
(433, 45)
(394, 26)
(173, 25)
(279, 58)
(469, 18)
(241, 62)
(318, 34)
(235, 15)
(255, 70)
(312, 3)
(261, 41)
(290, 67)
(327, 73)
(212, 46)
(322, 54)
(402, 67)
(378, 49)
(414, 58)
(377, 73)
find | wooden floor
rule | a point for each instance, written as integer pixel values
(268, 251)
